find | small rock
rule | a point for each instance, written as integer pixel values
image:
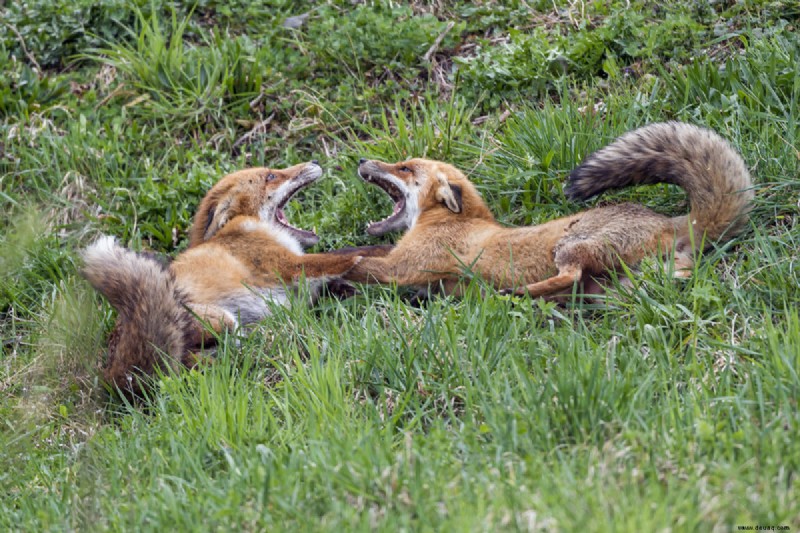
(295, 22)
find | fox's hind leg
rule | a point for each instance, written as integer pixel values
(563, 281)
(200, 336)
(210, 320)
(575, 256)
(682, 265)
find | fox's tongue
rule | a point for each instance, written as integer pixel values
(387, 224)
(281, 216)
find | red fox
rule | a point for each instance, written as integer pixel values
(243, 255)
(449, 227)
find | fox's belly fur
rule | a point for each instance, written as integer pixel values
(251, 305)
(215, 277)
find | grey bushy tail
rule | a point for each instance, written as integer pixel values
(152, 324)
(711, 172)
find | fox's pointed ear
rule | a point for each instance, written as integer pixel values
(210, 219)
(449, 195)
(217, 217)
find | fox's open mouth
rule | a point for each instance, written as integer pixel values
(304, 179)
(393, 221)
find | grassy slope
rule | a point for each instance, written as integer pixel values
(675, 407)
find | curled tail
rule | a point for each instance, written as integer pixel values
(712, 173)
(153, 325)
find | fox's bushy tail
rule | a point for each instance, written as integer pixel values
(152, 321)
(711, 172)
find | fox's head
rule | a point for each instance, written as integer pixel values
(261, 193)
(421, 186)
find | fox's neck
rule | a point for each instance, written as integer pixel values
(265, 230)
(443, 216)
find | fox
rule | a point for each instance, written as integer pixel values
(243, 257)
(449, 230)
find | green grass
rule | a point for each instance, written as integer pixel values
(673, 407)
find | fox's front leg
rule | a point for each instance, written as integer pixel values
(375, 250)
(314, 266)
(393, 269)
(342, 289)
(374, 270)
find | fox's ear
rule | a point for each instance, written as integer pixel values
(216, 217)
(209, 219)
(449, 195)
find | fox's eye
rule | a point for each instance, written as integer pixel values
(270, 176)
(405, 169)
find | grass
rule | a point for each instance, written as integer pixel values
(674, 407)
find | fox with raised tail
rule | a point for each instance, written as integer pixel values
(243, 255)
(449, 228)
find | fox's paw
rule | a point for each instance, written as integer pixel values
(199, 359)
(354, 262)
(682, 274)
(340, 289)
(511, 292)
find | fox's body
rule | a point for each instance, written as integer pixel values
(450, 229)
(243, 257)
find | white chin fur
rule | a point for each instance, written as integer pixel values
(278, 232)
(287, 239)
(411, 211)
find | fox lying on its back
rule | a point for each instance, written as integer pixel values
(243, 254)
(449, 226)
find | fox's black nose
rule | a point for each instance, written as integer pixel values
(362, 161)
(315, 162)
